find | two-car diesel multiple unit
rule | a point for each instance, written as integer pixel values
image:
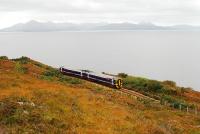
(106, 80)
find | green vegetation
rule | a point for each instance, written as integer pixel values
(122, 75)
(166, 91)
(23, 60)
(70, 80)
(3, 58)
(142, 84)
(39, 64)
(175, 102)
(20, 68)
(169, 83)
(136, 83)
(49, 73)
(23, 115)
(152, 86)
(52, 74)
(11, 112)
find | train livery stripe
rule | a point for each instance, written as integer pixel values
(71, 73)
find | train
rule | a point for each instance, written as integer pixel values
(106, 80)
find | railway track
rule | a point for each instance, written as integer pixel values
(134, 93)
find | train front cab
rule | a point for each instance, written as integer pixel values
(118, 83)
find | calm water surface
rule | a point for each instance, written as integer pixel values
(160, 55)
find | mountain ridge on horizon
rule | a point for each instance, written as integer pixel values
(36, 26)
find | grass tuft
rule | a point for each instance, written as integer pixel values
(20, 68)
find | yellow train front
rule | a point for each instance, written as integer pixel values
(118, 83)
(102, 79)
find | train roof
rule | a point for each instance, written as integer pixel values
(102, 75)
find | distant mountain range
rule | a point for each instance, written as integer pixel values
(35, 26)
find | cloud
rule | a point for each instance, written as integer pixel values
(47, 5)
(166, 12)
(99, 5)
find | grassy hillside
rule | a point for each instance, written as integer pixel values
(165, 91)
(36, 98)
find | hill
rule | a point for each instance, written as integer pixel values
(165, 91)
(36, 98)
(35, 26)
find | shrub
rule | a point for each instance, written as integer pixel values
(3, 58)
(43, 77)
(55, 73)
(154, 86)
(75, 81)
(169, 91)
(122, 75)
(183, 89)
(52, 73)
(175, 102)
(11, 112)
(19, 115)
(23, 60)
(19, 68)
(169, 83)
(135, 82)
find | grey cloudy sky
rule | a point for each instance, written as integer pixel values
(164, 12)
